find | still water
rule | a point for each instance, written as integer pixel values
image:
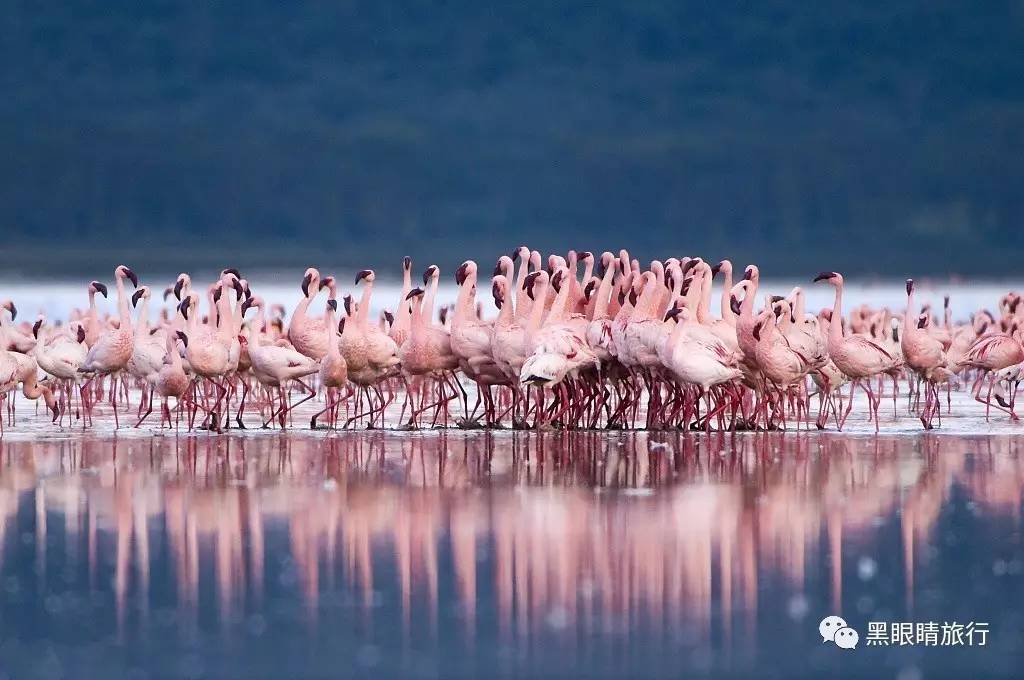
(507, 554)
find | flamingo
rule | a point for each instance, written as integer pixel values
(923, 353)
(274, 365)
(333, 369)
(114, 346)
(855, 355)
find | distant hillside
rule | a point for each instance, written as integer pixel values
(797, 133)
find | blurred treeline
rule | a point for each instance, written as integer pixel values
(883, 137)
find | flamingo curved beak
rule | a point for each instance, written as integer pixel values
(12, 309)
(131, 277)
(824, 276)
(100, 288)
(413, 293)
(734, 305)
(333, 304)
(81, 334)
(757, 331)
(183, 308)
(363, 275)
(341, 326)
(35, 328)
(183, 338)
(306, 280)
(177, 288)
(460, 273)
(910, 286)
(136, 296)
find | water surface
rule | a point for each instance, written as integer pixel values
(441, 554)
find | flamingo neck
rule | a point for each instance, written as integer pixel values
(124, 311)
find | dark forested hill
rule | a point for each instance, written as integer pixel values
(797, 133)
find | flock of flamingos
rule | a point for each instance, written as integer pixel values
(617, 347)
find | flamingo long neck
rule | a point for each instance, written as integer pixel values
(170, 343)
(505, 315)
(428, 299)
(558, 307)
(704, 306)
(404, 304)
(363, 312)
(465, 304)
(330, 328)
(143, 324)
(726, 309)
(908, 325)
(540, 289)
(522, 301)
(123, 310)
(260, 334)
(581, 300)
(416, 321)
(93, 314)
(604, 293)
(835, 331)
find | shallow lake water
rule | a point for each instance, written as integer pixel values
(510, 554)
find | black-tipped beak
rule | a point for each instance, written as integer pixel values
(131, 277)
(556, 282)
(239, 289)
(333, 304)
(673, 313)
(945, 302)
(413, 293)
(910, 286)
(515, 254)
(341, 326)
(586, 255)
(389, 317)
(326, 281)
(589, 290)
(168, 292)
(748, 274)
(232, 270)
(427, 273)
(306, 280)
(824, 276)
(777, 298)
(407, 263)
(717, 268)
(691, 264)
(633, 297)
(177, 288)
(362, 275)
(13, 310)
(246, 304)
(460, 274)
(497, 269)
(183, 308)
(183, 338)
(734, 305)
(922, 322)
(347, 300)
(100, 288)
(216, 295)
(35, 328)
(81, 334)
(136, 296)
(757, 331)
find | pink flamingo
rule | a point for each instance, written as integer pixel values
(856, 356)
(112, 350)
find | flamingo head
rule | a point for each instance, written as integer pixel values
(752, 273)
(253, 301)
(80, 336)
(123, 272)
(833, 278)
(407, 264)
(310, 278)
(465, 270)
(9, 306)
(910, 286)
(97, 287)
(183, 338)
(183, 280)
(243, 341)
(498, 284)
(389, 318)
(414, 293)
(141, 292)
(366, 274)
(531, 281)
(36, 326)
(589, 289)
(332, 304)
(341, 326)
(430, 273)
